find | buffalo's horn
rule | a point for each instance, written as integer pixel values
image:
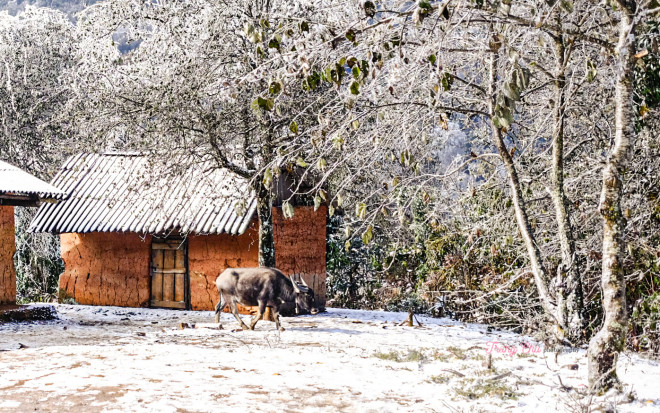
(295, 285)
(303, 282)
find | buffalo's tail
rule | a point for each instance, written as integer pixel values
(219, 307)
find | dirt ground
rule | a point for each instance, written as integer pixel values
(115, 359)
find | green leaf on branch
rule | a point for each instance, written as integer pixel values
(503, 117)
(350, 35)
(317, 202)
(338, 142)
(262, 104)
(268, 178)
(447, 80)
(511, 91)
(432, 59)
(424, 4)
(355, 124)
(337, 74)
(355, 88)
(274, 44)
(293, 127)
(275, 88)
(361, 210)
(364, 67)
(591, 71)
(367, 235)
(301, 162)
(321, 164)
(566, 5)
(255, 106)
(269, 104)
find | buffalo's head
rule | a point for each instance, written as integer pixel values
(304, 297)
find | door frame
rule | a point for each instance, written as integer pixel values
(186, 276)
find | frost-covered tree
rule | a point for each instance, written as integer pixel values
(37, 55)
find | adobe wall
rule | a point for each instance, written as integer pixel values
(7, 250)
(300, 246)
(209, 255)
(106, 268)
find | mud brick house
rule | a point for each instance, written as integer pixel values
(17, 188)
(136, 238)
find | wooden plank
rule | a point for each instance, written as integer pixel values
(176, 271)
(179, 287)
(16, 202)
(168, 263)
(180, 260)
(157, 259)
(167, 304)
(156, 286)
(167, 246)
(168, 287)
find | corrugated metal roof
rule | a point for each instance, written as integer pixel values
(15, 181)
(129, 193)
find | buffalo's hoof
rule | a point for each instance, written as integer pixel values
(281, 328)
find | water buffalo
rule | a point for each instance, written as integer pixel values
(262, 287)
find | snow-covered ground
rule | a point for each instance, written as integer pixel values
(115, 359)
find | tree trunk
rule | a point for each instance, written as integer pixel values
(265, 209)
(570, 307)
(606, 345)
(534, 255)
(266, 240)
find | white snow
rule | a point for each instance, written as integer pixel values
(113, 359)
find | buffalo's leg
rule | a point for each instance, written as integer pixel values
(234, 311)
(276, 316)
(219, 308)
(260, 313)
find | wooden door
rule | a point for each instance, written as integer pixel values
(169, 274)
